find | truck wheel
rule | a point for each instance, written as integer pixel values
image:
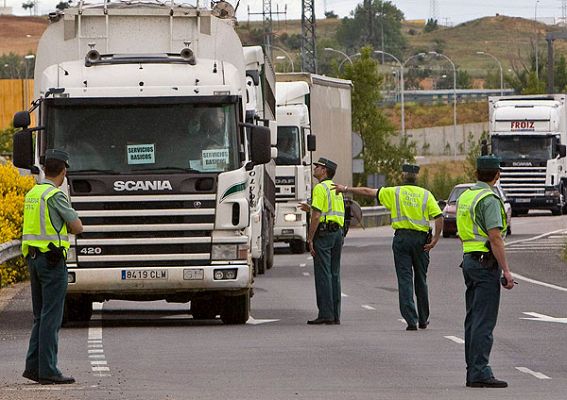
(269, 254)
(77, 309)
(259, 265)
(236, 310)
(297, 246)
(557, 210)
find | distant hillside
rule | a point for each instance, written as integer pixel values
(509, 39)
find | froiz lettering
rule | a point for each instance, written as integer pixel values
(523, 125)
(132, 186)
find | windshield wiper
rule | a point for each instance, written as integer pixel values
(167, 169)
(93, 171)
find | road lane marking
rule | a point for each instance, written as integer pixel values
(367, 307)
(310, 257)
(95, 346)
(344, 294)
(252, 321)
(547, 285)
(402, 320)
(455, 339)
(306, 274)
(302, 265)
(544, 318)
(538, 375)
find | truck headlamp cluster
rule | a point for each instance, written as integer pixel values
(224, 274)
(291, 217)
(552, 193)
(229, 251)
(72, 255)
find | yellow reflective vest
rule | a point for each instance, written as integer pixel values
(329, 202)
(38, 230)
(411, 207)
(471, 234)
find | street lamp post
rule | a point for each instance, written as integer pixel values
(454, 99)
(403, 117)
(536, 43)
(347, 58)
(286, 54)
(499, 66)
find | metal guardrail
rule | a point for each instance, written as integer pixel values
(10, 250)
(371, 216)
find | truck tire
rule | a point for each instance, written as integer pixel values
(259, 265)
(236, 310)
(269, 252)
(557, 210)
(297, 246)
(77, 309)
(203, 309)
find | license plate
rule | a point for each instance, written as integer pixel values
(522, 200)
(195, 274)
(144, 274)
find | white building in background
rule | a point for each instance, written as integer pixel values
(6, 11)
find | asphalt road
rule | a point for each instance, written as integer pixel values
(156, 351)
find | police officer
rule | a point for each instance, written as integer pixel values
(411, 208)
(481, 223)
(48, 218)
(325, 240)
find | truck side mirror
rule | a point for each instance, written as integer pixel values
(22, 119)
(23, 149)
(562, 150)
(260, 144)
(311, 143)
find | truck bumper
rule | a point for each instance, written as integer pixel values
(287, 233)
(535, 203)
(122, 282)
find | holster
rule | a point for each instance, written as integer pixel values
(488, 261)
(429, 236)
(54, 255)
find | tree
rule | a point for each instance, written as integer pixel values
(331, 15)
(28, 4)
(368, 22)
(431, 25)
(12, 66)
(63, 5)
(380, 154)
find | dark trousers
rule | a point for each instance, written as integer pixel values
(411, 269)
(48, 287)
(327, 266)
(482, 299)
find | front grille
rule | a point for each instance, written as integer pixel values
(523, 182)
(145, 231)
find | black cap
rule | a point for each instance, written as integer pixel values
(325, 162)
(410, 168)
(488, 163)
(54, 154)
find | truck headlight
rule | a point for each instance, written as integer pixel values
(551, 193)
(72, 255)
(290, 217)
(224, 252)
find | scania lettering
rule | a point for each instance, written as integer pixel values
(132, 186)
(529, 134)
(160, 153)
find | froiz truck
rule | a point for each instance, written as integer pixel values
(148, 101)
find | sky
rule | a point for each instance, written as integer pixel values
(449, 12)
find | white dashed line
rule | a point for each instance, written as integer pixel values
(344, 294)
(95, 347)
(302, 265)
(538, 375)
(367, 307)
(455, 339)
(306, 274)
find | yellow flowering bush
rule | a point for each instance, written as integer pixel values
(13, 188)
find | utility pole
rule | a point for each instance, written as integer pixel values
(267, 17)
(433, 10)
(308, 37)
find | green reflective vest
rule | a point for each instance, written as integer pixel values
(38, 230)
(329, 202)
(408, 206)
(471, 234)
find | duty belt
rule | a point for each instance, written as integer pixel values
(409, 232)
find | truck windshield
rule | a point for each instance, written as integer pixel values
(289, 146)
(144, 138)
(523, 147)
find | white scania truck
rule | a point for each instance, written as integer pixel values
(149, 101)
(529, 134)
(308, 106)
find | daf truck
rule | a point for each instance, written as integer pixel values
(529, 134)
(309, 106)
(149, 100)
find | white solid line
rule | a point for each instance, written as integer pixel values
(367, 307)
(538, 375)
(306, 274)
(547, 285)
(97, 306)
(302, 265)
(455, 339)
(535, 237)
